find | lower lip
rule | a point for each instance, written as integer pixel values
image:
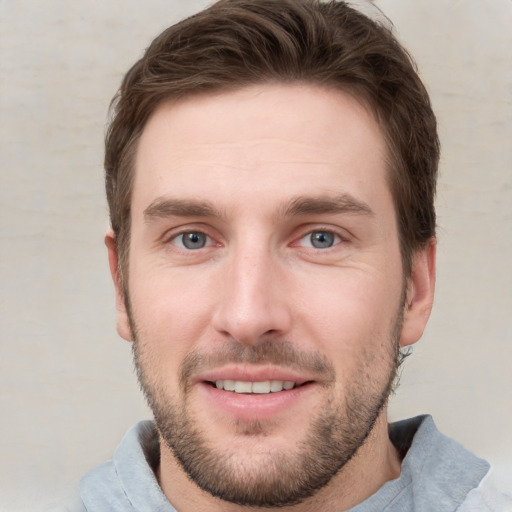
(252, 406)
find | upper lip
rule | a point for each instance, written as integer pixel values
(252, 374)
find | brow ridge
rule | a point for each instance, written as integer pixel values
(344, 203)
(163, 207)
(173, 207)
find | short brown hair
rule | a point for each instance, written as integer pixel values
(235, 43)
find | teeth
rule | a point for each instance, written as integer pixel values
(261, 388)
(229, 385)
(243, 387)
(276, 386)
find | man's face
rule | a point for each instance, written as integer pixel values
(266, 292)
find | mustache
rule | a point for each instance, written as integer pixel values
(279, 353)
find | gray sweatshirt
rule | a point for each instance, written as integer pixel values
(437, 475)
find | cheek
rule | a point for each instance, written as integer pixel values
(171, 307)
(354, 312)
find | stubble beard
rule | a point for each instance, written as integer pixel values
(278, 479)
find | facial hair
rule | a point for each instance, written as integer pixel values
(335, 434)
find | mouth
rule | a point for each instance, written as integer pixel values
(255, 387)
(244, 395)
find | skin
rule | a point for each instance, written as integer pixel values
(250, 156)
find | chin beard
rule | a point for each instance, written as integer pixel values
(276, 479)
(272, 479)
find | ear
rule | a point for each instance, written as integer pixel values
(123, 323)
(420, 294)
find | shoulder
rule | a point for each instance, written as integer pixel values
(104, 487)
(487, 497)
(438, 473)
(127, 482)
(101, 488)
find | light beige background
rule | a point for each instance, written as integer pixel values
(68, 392)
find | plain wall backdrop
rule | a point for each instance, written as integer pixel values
(68, 391)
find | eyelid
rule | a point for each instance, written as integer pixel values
(177, 231)
(306, 241)
(178, 241)
(305, 231)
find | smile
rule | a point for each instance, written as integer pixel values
(260, 387)
(251, 397)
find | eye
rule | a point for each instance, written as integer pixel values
(191, 240)
(320, 239)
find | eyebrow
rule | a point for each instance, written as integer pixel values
(171, 207)
(303, 205)
(344, 203)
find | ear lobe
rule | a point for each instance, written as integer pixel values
(420, 294)
(123, 323)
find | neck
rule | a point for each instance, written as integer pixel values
(375, 463)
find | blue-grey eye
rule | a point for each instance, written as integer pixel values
(193, 240)
(322, 239)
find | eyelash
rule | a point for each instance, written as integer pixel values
(337, 238)
(331, 237)
(176, 236)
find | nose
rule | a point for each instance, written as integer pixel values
(254, 299)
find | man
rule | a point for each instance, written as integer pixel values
(270, 172)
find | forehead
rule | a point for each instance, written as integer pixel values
(268, 139)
